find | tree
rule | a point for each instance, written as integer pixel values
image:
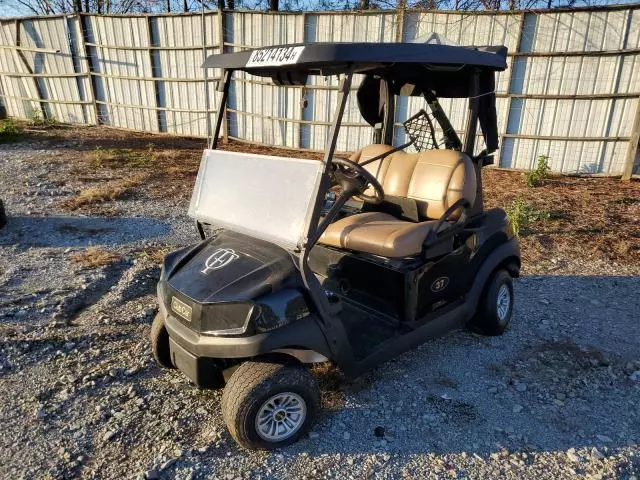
(46, 7)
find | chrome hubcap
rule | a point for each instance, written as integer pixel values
(281, 416)
(503, 302)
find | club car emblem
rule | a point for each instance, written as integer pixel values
(218, 259)
(439, 284)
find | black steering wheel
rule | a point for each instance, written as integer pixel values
(354, 180)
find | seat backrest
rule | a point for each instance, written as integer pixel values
(435, 179)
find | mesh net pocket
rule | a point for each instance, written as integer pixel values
(420, 130)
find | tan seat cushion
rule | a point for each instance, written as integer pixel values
(378, 234)
(435, 179)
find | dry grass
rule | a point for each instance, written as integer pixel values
(111, 190)
(330, 380)
(589, 218)
(94, 257)
(153, 254)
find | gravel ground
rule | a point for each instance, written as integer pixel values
(556, 397)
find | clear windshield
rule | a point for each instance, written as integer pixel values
(266, 197)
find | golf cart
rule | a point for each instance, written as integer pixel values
(353, 260)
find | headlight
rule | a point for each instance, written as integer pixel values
(227, 318)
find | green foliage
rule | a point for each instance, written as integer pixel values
(522, 214)
(38, 119)
(120, 156)
(627, 201)
(538, 175)
(9, 130)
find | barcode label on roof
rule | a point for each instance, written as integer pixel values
(273, 57)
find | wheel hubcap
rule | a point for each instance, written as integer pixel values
(503, 302)
(281, 416)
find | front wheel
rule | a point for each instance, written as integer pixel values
(495, 306)
(159, 338)
(268, 405)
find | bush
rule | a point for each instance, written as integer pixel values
(522, 214)
(9, 130)
(538, 175)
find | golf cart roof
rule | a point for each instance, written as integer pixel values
(411, 67)
(312, 57)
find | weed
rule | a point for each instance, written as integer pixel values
(9, 130)
(128, 157)
(538, 175)
(143, 159)
(94, 257)
(522, 214)
(627, 201)
(39, 119)
(99, 156)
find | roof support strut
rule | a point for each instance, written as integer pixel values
(223, 86)
(331, 326)
(470, 140)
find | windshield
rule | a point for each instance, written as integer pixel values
(267, 197)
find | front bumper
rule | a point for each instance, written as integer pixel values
(204, 372)
(301, 334)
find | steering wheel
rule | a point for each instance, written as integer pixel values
(355, 180)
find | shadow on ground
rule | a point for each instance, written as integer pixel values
(63, 231)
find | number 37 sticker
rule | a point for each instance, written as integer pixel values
(273, 57)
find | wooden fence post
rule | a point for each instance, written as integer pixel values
(514, 60)
(400, 20)
(400, 12)
(632, 148)
(161, 115)
(89, 65)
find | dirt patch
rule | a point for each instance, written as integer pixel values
(586, 217)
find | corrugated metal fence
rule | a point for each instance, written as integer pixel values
(571, 91)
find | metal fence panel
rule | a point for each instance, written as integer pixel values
(125, 87)
(182, 93)
(260, 112)
(570, 91)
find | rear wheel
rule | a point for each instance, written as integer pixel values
(160, 343)
(495, 306)
(268, 405)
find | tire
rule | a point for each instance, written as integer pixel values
(3, 215)
(160, 343)
(489, 318)
(258, 387)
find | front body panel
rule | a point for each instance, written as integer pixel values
(220, 284)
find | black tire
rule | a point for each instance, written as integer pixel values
(160, 343)
(488, 320)
(249, 389)
(3, 215)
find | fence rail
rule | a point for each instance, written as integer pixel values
(571, 92)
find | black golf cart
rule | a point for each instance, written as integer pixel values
(349, 260)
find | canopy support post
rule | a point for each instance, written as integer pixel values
(332, 327)
(472, 119)
(223, 86)
(470, 141)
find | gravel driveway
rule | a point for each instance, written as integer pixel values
(558, 396)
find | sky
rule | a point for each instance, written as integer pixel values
(12, 8)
